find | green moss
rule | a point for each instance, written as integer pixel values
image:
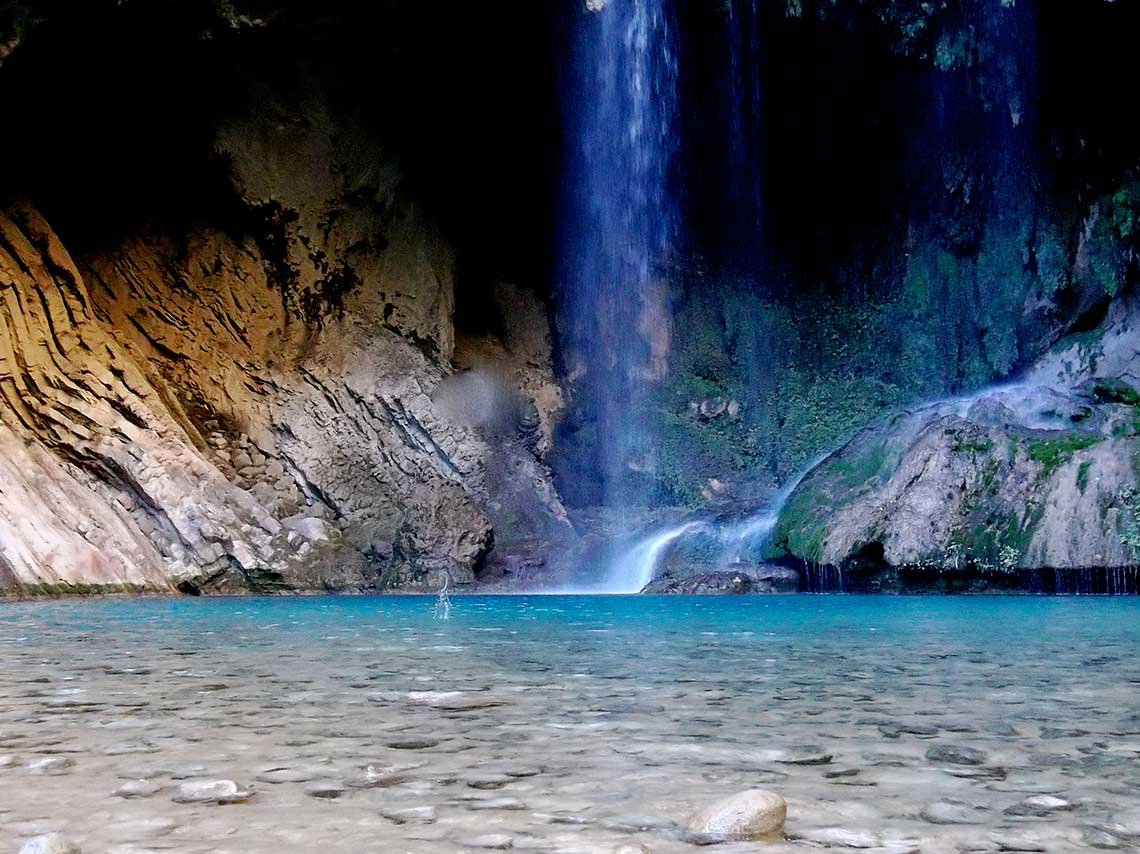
(1083, 476)
(973, 445)
(1052, 452)
(1116, 391)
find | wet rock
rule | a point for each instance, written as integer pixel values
(894, 730)
(805, 755)
(137, 789)
(488, 781)
(493, 841)
(1039, 806)
(953, 755)
(328, 790)
(840, 836)
(413, 744)
(1013, 841)
(1094, 837)
(953, 812)
(497, 804)
(51, 843)
(218, 792)
(51, 765)
(753, 814)
(380, 776)
(1125, 823)
(411, 815)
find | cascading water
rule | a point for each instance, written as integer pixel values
(621, 219)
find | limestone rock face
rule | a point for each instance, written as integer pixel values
(1038, 475)
(250, 407)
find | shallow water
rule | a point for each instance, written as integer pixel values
(571, 724)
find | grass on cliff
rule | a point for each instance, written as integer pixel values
(1052, 452)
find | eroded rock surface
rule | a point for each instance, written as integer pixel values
(250, 406)
(1037, 475)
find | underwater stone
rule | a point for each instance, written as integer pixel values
(753, 814)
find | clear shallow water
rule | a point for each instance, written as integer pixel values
(572, 724)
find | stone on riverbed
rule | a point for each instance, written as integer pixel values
(952, 755)
(1039, 806)
(753, 814)
(210, 792)
(495, 841)
(137, 789)
(51, 843)
(411, 815)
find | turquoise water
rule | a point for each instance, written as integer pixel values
(572, 723)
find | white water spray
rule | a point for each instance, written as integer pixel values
(636, 567)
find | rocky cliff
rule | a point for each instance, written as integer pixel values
(244, 401)
(1040, 474)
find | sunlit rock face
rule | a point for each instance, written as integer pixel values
(242, 397)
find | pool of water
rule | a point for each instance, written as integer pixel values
(571, 724)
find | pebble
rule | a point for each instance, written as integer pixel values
(953, 812)
(632, 848)
(488, 781)
(495, 841)
(411, 815)
(840, 836)
(8, 761)
(328, 790)
(956, 755)
(805, 756)
(752, 814)
(497, 804)
(137, 789)
(1094, 837)
(1039, 806)
(51, 764)
(210, 792)
(51, 843)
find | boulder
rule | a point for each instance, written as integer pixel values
(748, 815)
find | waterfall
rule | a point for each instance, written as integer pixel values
(637, 566)
(620, 223)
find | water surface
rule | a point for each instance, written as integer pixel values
(572, 724)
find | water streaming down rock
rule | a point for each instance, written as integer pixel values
(620, 221)
(637, 566)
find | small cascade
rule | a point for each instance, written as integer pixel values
(637, 566)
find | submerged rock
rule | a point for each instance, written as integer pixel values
(956, 755)
(210, 792)
(753, 814)
(51, 843)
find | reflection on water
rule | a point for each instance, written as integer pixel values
(571, 724)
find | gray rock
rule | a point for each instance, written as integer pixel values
(752, 814)
(51, 765)
(1039, 806)
(328, 790)
(953, 812)
(956, 755)
(493, 841)
(138, 789)
(411, 815)
(218, 792)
